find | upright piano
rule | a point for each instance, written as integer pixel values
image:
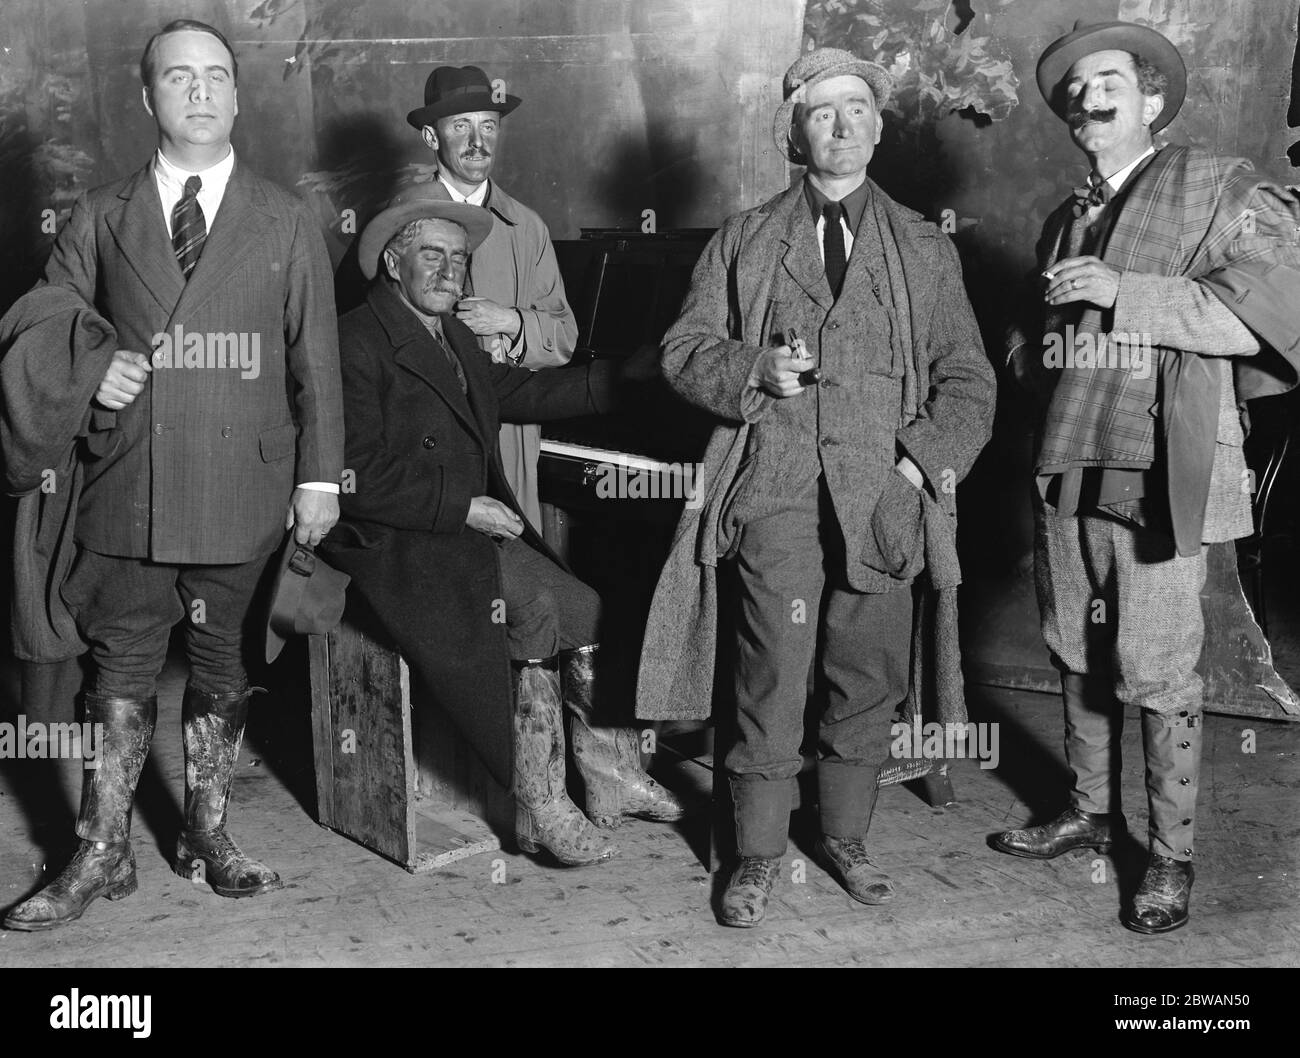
(626, 288)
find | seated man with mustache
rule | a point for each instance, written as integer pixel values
(439, 549)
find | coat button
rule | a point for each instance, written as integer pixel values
(826, 381)
(1185, 780)
(226, 431)
(1184, 745)
(158, 428)
(832, 326)
(1187, 852)
(827, 441)
(1187, 822)
(430, 441)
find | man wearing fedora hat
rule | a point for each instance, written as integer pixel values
(828, 331)
(439, 549)
(517, 309)
(1175, 271)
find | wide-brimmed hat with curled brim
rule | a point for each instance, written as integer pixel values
(425, 201)
(1084, 39)
(816, 66)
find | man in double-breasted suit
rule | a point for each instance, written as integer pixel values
(216, 425)
(830, 477)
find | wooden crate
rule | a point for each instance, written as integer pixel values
(392, 772)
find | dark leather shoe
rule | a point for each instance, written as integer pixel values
(847, 860)
(1160, 904)
(94, 872)
(1072, 829)
(745, 902)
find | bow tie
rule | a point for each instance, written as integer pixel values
(1097, 193)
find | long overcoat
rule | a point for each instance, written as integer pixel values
(946, 417)
(417, 451)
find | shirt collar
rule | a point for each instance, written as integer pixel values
(854, 203)
(477, 197)
(1116, 180)
(214, 177)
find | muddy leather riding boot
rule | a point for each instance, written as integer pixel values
(104, 864)
(212, 728)
(1173, 757)
(609, 758)
(1093, 722)
(544, 815)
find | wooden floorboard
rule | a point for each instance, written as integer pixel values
(960, 903)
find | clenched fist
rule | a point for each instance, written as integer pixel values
(124, 380)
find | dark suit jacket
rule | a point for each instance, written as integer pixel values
(201, 466)
(421, 450)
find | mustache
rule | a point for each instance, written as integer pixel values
(476, 152)
(1079, 118)
(441, 287)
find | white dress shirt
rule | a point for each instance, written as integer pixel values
(1116, 180)
(475, 198)
(848, 237)
(170, 180)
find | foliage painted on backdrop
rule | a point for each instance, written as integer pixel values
(938, 62)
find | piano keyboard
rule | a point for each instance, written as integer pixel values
(596, 456)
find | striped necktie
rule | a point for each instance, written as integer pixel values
(189, 229)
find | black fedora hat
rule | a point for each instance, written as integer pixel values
(307, 597)
(458, 90)
(1085, 39)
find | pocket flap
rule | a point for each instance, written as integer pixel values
(278, 442)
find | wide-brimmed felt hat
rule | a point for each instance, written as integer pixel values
(1085, 39)
(307, 597)
(816, 66)
(415, 202)
(458, 90)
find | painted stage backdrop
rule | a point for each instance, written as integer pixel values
(645, 105)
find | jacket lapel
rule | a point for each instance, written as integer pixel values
(141, 234)
(463, 345)
(416, 351)
(802, 258)
(239, 224)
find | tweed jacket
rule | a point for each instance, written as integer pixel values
(1234, 319)
(202, 465)
(946, 411)
(516, 266)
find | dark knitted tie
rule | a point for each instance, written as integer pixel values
(833, 246)
(188, 227)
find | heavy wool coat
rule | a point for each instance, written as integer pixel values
(421, 450)
(945, 419)
(202, 465)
